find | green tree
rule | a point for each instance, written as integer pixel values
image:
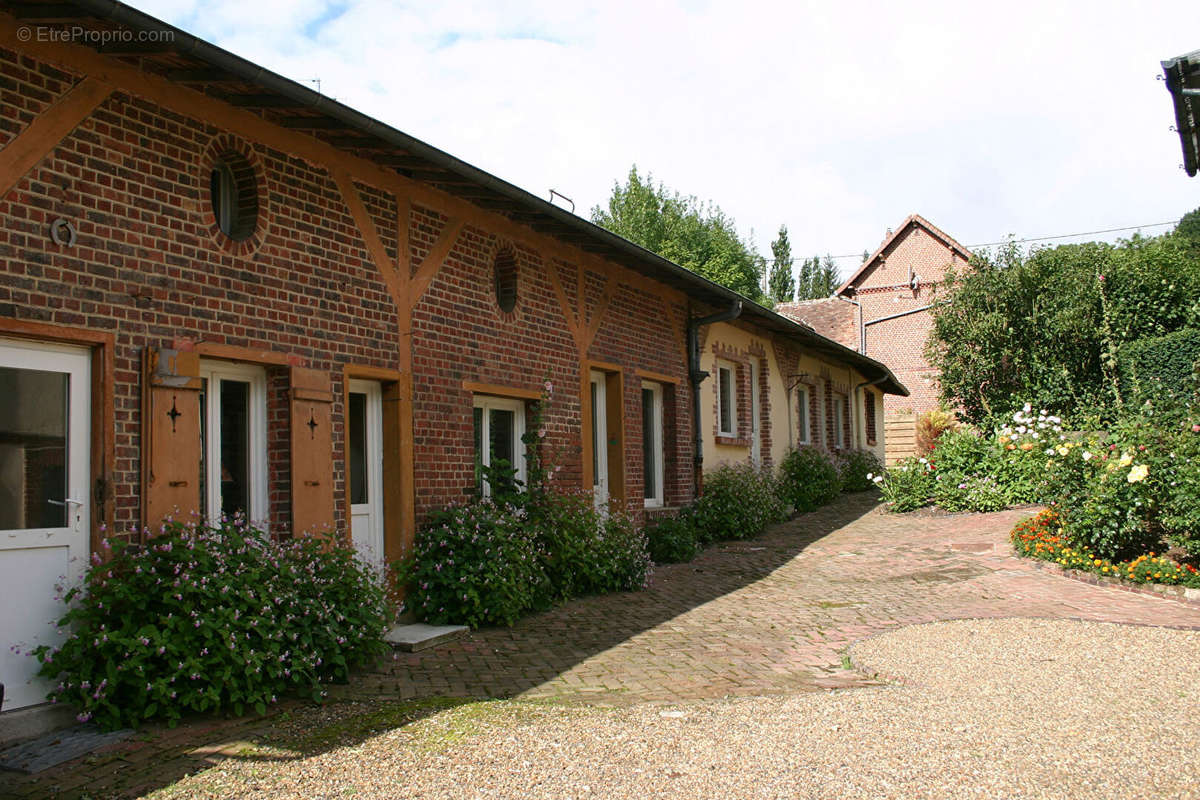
(1188, 228)
(697, 236)
(782, 287)
(818, 278)
(1047, 327)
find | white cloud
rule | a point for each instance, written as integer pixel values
(836, 119)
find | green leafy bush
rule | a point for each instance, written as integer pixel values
(808, 479)
(1152, 367)
(491, 563)
(477, 565)
(584, 551)
(969, 493)
(1179, 477)
(738, 502)
(1047, 326)
(1103, 498)
(908, 485)
(673, 539)
(212, 619)
(856, 470)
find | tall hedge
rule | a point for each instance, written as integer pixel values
(1047, 327)
(1161, 364)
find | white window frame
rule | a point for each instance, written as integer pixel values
(211, 372)
(489, 403)
(656, 390)
(804, 421)
(839, 421)
(725, 366)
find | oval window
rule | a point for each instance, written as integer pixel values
(505, 271)
(233, 191)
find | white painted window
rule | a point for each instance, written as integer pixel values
(652, 444)
(499, 426)
(726, 399)
(233, 431)
(803, 434)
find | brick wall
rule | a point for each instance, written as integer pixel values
(150, 266)
(884, 289)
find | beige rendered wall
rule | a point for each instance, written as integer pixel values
(782, 365)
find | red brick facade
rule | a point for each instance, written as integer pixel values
(894, 287)
(151, 266)
(346, 262)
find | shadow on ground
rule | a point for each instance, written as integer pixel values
(486, 664)
(504, 662)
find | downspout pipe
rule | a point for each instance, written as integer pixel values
(862, 330)
(697, 377)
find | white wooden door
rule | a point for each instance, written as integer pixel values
(364, 457)
(599, 412)
(45, 420)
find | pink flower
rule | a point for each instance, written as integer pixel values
(1196, 429)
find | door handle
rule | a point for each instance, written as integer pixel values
(65, 502)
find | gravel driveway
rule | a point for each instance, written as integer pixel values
(977, 708)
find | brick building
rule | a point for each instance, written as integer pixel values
(221, 291)
(883, 311)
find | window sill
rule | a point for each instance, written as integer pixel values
(732, 441)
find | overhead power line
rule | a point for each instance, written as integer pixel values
(1045, 238)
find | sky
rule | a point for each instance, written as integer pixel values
(836, 119)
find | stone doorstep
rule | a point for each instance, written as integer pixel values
(418, 636)
(52, 749)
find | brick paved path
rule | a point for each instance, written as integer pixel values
(771, 615)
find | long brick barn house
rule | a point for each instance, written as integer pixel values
(222, 291)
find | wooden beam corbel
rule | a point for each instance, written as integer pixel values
(48, 130)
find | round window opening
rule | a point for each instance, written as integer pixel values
(233, 190)
(505, 269)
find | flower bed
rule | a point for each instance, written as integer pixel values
(1043, 537)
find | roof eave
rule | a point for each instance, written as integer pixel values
(653, 265)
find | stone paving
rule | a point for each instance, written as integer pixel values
(772, 615)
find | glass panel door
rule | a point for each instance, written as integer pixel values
(364, 464)
(45, 458)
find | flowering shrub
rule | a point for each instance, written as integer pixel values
(673, 539)
(477, 565)
(808, 479)
(857, 469)
(1045, 538)
(909, 484)
(490, 563)
(969, 493)
(738, 502)
(970, 472)
(585, 552)
(212, 619)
